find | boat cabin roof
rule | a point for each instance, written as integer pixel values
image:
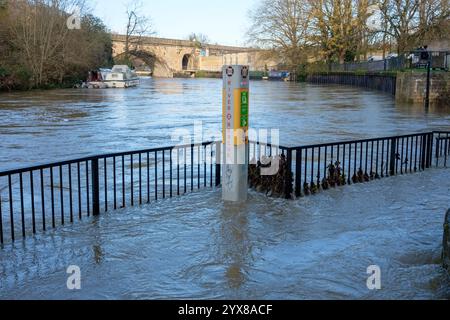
(120, 68)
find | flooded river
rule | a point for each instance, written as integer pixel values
(196, 246)
(46, 126)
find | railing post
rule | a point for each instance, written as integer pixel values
(429, 149)
(218, 162)
(437, 151)
(423, 152)
(288, 175)
(95, 187)
(392, 156)
(298, 172)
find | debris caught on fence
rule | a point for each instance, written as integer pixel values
(272, 185)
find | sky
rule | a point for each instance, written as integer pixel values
(223, 21)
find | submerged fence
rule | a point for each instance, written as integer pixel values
(43, 197)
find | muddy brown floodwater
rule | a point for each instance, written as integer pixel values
(45, 126)
(195, 246)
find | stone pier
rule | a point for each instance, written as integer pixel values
(411, 88)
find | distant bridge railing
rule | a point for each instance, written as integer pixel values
(43, 197)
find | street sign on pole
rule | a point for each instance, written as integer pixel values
(235, 122)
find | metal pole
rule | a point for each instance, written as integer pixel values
(235, 131)
(95, 187)
(393, 156)
(423, 152)
(429, 150)
(427, 94)
(218, 162)
(288, 175)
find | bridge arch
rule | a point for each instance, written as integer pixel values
(187, 62)
(158, 67)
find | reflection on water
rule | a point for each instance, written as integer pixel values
(98, 253)
(233, 242)
(44, 126)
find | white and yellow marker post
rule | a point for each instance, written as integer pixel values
(235, 121)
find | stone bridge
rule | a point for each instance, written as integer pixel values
(168, 57)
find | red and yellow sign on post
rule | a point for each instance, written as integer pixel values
(235, 103)
(235, 125)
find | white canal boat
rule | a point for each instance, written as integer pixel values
(121, 76)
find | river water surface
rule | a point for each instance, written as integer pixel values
(197, 247)
(46, 126)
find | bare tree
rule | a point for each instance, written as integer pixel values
(138, 26)
(199, 38)
(87, 49)
(282, 27)
(433, 20)
(42, 46)
(339, 30)
(3, 26)
(411, 21)
(39, 30)
(402, 19)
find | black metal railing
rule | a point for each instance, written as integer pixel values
(46, 196)
(409, 60)
(391, 64)
(442, 148)
(323, 166)
(258, 149)
(380, 82)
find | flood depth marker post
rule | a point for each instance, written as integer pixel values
(235, 112)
